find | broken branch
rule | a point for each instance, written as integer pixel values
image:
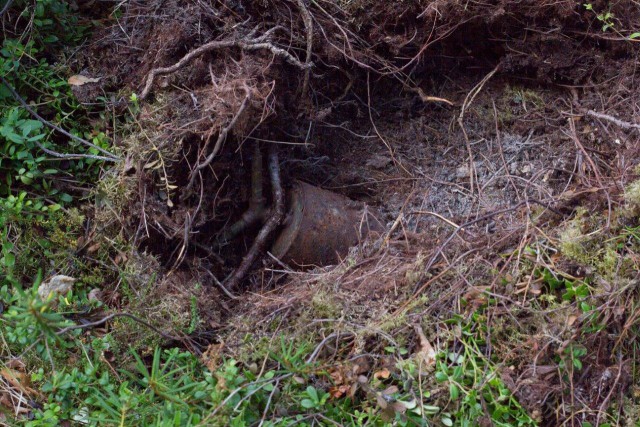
(615, 121)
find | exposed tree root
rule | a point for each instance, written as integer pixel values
(308, 24)
(257, 210)
(277, 213)
(252, 44)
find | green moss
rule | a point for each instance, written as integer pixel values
(416, 271)
(572, 241)
(325, 306)
(585, 241)
(47, 244)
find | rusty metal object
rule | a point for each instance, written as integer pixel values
(321, 226)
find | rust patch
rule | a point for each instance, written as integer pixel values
(321, 226)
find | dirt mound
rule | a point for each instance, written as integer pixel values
(471, 127)
(242, 72)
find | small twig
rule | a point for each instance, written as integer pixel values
(308, 24)
(596, 172)
(110, 157)
(220, 285)
(319, 347)
(277, 213)
(576, 140)
(437, 215)
(499, 141)
(246, 44)
(471, 96)
(605, 402)
(615, 121)
(375, 128)
(440, 248)
(268, 405)
(6, 7)
(114, 315)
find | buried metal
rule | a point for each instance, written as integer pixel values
(321, 226)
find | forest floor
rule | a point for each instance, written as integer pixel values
(497, 142)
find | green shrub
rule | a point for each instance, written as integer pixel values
(26, 66)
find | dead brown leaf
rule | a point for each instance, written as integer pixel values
(16, 364)
(17, 380)
(340, 391)
(382, 403)
(79, 80)
(382, 374)
(390, 390)
(426, 354)
(211, 356)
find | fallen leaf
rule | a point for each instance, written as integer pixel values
(353, 389)
(390, 390)
(6, 401)
(426, 354)
(18, 380)
(337, 377)
(536, 288)
(382, 403)
(361, 367)
(338, 392)
(16, 364)
(211, 357)
(383, 374)
(95, 295)
(399, 407)
(79, 80)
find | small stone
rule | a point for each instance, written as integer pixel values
(379, 161)
(57, 285)
(526, 169)
(462, 172)
(95, 295)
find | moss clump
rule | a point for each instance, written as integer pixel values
(586, 242)
(325, 306)
(514, 101)
(48, 244)
(632, 197)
